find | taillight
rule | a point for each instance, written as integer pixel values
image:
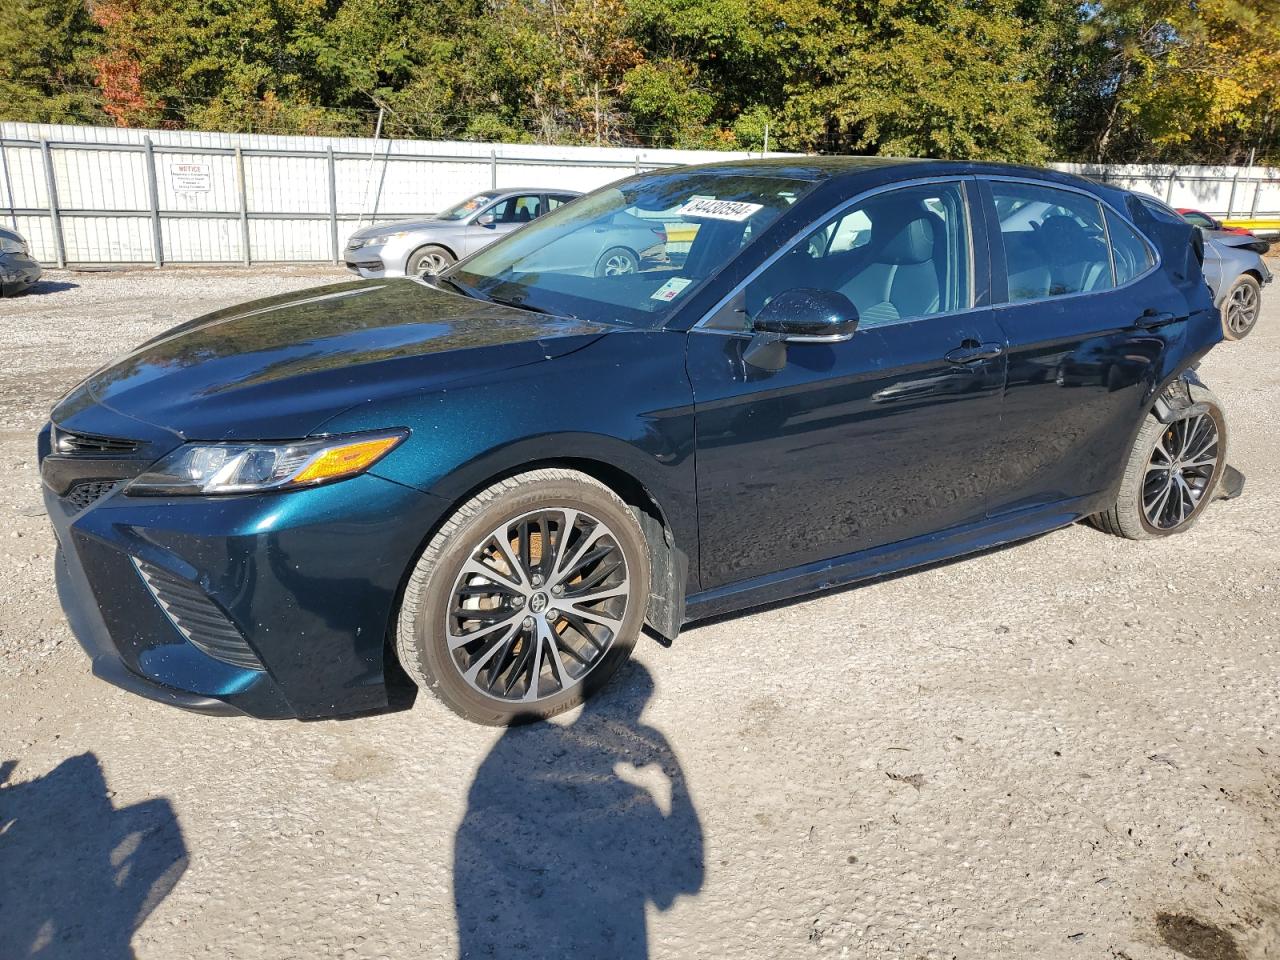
(660, 233)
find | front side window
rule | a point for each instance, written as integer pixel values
(1054, 241)
(1132, 256)
(633, 252)
(520, 209)
(1199, 219)
(897, 256)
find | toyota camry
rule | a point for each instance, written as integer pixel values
(492, 479)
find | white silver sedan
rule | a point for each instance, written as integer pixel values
(418, 248)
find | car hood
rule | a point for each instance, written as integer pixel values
(429, 223)
(280, 367)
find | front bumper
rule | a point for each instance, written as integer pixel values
(17, 274)
(310, 579)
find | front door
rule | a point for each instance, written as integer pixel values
(501, 218)
(854, 444)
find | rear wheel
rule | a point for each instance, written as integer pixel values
(428, 261)
(527, 600)
(617, 261)
(1172, 473)
(1241, 308)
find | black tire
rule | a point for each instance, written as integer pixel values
(427, 611)
(428, 261)
(1127, 517)
(1242, 307)
(616, 262)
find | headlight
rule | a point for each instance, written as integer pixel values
(377, 241)
(9, 245)
(214, 468)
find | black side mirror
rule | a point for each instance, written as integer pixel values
(802, 315)
(806, 314)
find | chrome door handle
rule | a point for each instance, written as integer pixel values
(971, 352)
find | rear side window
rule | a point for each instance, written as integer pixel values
(1132, 256)
(1054, 241)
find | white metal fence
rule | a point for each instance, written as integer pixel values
(1246, 193)
(110, 195)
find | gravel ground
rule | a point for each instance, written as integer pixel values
(1067, 748)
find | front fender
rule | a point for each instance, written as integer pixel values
(623, 401)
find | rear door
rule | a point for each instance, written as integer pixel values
(1088, 316)
(860, 443)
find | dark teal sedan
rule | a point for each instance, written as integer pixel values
(494, 478)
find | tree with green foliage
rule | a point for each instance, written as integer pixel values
(47, 48)
(1026, 80)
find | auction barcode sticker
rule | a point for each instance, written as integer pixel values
(704, 208)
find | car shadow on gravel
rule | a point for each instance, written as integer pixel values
(571, 830)
(41, 287)
(78, 876)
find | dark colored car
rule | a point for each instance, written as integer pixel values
(18, 270)
(494, 477)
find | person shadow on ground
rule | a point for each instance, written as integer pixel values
(77, 875)
(569, 834)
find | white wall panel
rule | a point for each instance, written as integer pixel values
(196, 171)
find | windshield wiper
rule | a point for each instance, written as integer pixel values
(521, 305)
(461, 288)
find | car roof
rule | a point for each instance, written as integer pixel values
(874, 170)
(505, 191)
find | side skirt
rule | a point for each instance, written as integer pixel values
(888, 559)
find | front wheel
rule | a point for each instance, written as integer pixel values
(527, 600)
(428, 261)
(1173, 470)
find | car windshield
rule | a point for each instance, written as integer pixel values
(460, 211)
(630, 253)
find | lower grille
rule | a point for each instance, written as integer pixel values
(86, 492)
(197, 617)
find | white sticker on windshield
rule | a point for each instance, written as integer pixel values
(704, 209)
(671, 289)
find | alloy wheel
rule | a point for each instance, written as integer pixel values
(1242, 308)
(1180, 471)
(537, 605)
(431, 264)
(619, 264)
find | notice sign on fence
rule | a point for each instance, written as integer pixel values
(191, 177)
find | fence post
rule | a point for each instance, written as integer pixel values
(153, 192)
(59, 244)
(1231, 197)
(244, 207)
(333, 205)
(493, 169)
(1257, 194)
(1168, 193)
(637, 164)
(8, 186)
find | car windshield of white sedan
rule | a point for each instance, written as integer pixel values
(632, 253)
(460, 211)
